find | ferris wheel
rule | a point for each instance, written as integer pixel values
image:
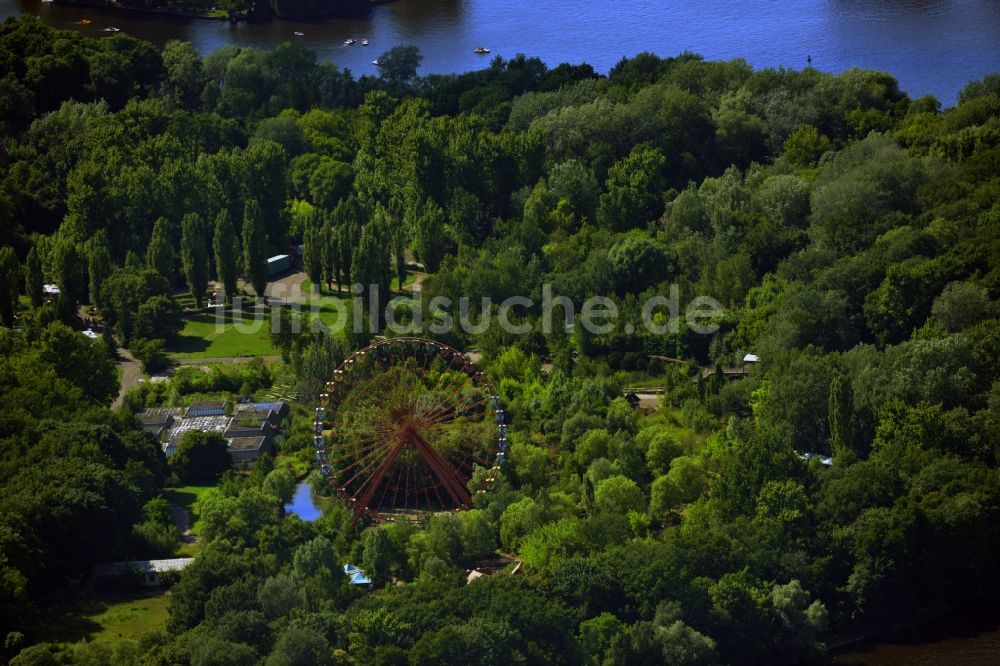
(402, 425)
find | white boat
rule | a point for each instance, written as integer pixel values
(364, 42)
(376, 62)
(299, 34)
(482, 50)
(350, 42)
(112, 28)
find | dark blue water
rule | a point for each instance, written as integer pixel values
(931, 46)
(302, 503)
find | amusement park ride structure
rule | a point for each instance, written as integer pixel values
(402, 425)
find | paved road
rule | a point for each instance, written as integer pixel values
(131, 374)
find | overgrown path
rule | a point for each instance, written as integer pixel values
(131, 374)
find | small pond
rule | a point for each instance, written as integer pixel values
(304, 503)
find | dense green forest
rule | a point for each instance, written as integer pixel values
(850, 232)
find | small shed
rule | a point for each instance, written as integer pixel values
(278, 264)
(356, 576)
(823, 459)
(475, 574)
(632, 399)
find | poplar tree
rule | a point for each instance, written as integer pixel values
(370, 264)
(314, 247)
(99, 265)
(10, 278)
(254, 250)
(160, 255)
(132, 261)
(400, 238)
(71, 270)
(841, 408)
(331, 255)
(194, 256)
(429, 236)
(33, 278)
(226, 251)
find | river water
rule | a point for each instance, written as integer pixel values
(931, 46)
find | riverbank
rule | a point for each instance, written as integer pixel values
(364, 7)
(907, 40)
(970, 637)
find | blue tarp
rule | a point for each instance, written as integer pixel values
(356, 575)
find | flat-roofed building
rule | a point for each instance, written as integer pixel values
(219, 424)
(246, 450)
(147, 572)
(274, 412)
(206, 408)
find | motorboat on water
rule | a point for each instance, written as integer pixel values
(112, 28)
(85, 21)
(482, 50)
(376, 62)
(350, 42)
(364, 42)
(299, 34)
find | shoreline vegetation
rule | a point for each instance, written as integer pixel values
(241, 10)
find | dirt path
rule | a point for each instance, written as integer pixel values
(417, 285)
(287, 290)
(131, 374)
(182, 519)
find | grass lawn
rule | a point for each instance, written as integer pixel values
(107, 617)
(131, 616)
(212, 336)
(307, 287)
(188, 497)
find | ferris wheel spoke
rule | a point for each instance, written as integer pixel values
(376, 479)
(449, 417)
(442, 395)
(358, 457)
(444, 472)
(350, 446)
(437, 492)
(372, 459)
(450, 398)
(385, 490)
(400, 471)
(368, 433)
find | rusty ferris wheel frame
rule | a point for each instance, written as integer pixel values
(401, 426)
